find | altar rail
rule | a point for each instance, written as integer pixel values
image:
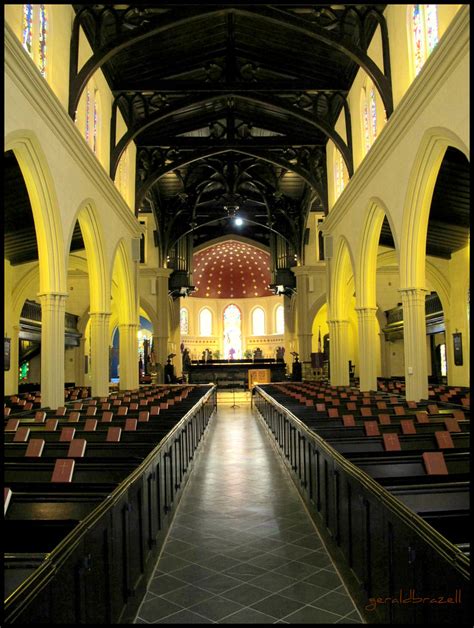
(384, 551)
(98, 574)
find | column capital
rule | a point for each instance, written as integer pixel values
(414, 291)
(363, 309)
(100, 316)
(128, 325)
(302, 271)
(413, 296)
(52, 297)
(163, 273)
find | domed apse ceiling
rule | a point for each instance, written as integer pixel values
(231, 270)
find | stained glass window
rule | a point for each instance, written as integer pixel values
(431, 24)
(34, 33)
(88, 113)
(43, 24)
(232, 333)
(205, 322)
(373, 113)
(424, 25)
(418, 40)
(369, 115)
(365, 114)
(27, 38)
(339, 173)
(258, 322)
(280, 320)
(23, 373)
(94, 123)
(184, 321)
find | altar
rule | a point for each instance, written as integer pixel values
(242, 373)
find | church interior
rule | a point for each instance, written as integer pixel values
(236, 313)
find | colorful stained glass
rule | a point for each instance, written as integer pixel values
(339, 173)
(88, 109)
(431, 25)
(418, 39)
(232, 333)
(27, 37)
(23, 372)
(184, 321)
(373, 113)
(366, 122)
(43, 25)
(94, 124)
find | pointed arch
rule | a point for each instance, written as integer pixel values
(341, 278)
(258, 321)
(124, 293)
(422, 180)
(44, 204)
(368, 252)
(92, 234)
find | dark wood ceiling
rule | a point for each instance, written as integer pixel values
(231, 107)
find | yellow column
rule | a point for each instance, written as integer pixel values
(99, 331)
(175, 337)
(128, 357)
(161, 335)
(303, 324)
(289, 329)
(338, 355)
(11, 376)
(367, 347)
(414, 338)
(53, 309)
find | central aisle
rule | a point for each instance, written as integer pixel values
(242, 548)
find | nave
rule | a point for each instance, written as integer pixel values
(242, 547)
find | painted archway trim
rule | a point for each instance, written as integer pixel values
(424, 173)
(368, 252)
(123, 277)
(44, 205)
(341, 276)
(92, 233)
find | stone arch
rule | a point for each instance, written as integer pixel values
(92, 234)
(343, 273)
(417, 205)
(44, 204)
(434, 277)
(123, 279)
(368, 252)
(150, 312)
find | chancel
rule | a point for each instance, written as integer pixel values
(236, 313)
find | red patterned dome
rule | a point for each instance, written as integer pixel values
(231, 270)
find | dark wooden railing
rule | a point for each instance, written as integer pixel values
(385, 552)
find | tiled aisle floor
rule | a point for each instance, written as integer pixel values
(242, 548)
